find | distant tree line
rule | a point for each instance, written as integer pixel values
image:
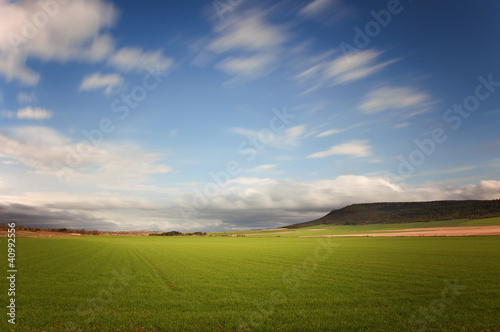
(78, 231)
(3, 227)
(176, 233)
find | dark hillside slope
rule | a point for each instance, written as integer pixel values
(390, 213)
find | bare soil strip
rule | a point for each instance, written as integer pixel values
(438, 231)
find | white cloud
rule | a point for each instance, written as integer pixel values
(100, 48)
(244, 202)
(286, 139)
(330, 132)
(266, 202)
(355, 149)
(394, 98)
(248, 34)
(135, 59)
(292, 136)
(100, 200)
(109, 82)
(337, 130)
(453, 170)
(107, 166)
(359, 65)
(268, 168)
(13, 67)
(315, 7)
(30, 113)
(246, 67)
(326, 11)
(257, 43)
(322, 71)
(244, 132)
(27, 113)
(73, 31)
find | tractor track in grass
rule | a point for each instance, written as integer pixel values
(156, 272)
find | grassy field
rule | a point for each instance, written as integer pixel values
(256, 284)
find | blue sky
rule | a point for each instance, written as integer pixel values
(230, 115)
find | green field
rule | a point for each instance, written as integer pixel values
(260, 284)
(360, 229)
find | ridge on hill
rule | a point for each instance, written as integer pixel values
(406, 212)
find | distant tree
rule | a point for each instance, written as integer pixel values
(171, 233)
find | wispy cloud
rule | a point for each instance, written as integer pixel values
(451, 170)
(328, 72)
(109, 82)
(355, 149)
(394, 98)
(316, 7)
(327, 12)
(249, 44)
(135, 59)
(335, 131)
(27, 113)
(331, 132)
(245, 67)
(30, 113)
(268, 169)
(360, 65)
(293, 136)
(251, 33)
(288, 138)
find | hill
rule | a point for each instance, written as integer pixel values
(406, 212)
